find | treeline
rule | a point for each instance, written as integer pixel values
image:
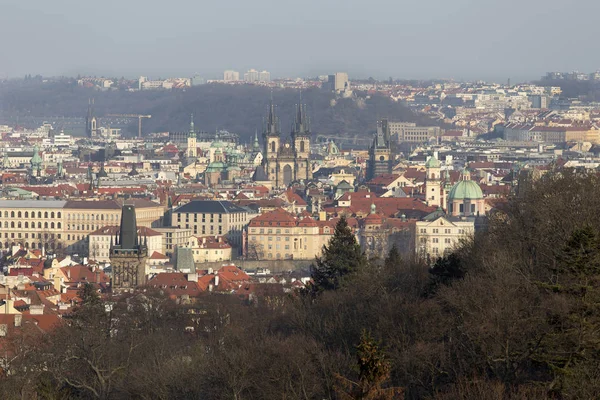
(511, 314)
(240, 109)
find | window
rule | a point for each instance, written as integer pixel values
(423, 230)
(19, 214)
(447, 241)
(435, 230)
(446, 230)
(435, 240)
(58, 215)
(12, 214)
(46, 214)
(52, 214)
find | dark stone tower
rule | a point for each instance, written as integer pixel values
(380, 154)
(128, 255)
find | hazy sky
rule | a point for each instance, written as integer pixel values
(460, 39)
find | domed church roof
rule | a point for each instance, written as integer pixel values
(465, 189)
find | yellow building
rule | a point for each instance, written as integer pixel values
(210, 217)
(64, 225)
(439, 235)
(279, 235)
(210, 249)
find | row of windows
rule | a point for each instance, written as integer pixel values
(20, 235)
(436, 240)
(26, 225)
(446, 231)
(26, 214)
(95, 217)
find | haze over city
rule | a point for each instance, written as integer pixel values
(460, 39)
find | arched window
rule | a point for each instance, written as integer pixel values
(6, 216)
(51, 225)
(26, 214)
(39, 225)
(58, 225)
(19, 214)
(46, 225)
(26, 224)
(52, 214)
(26, 245)
(12, 214)
(39, 214)
(273, 146)
(46, 214)
(12, 224)
(302, 146)
(69, 237)
(58, 214)
(19, 224)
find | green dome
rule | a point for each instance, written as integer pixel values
(216, 166)
(465, 189)
(433, 162)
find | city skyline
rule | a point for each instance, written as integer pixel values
(437, 40)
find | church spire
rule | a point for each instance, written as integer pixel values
(300, 127)
(192, 132)
(272, 128)
(256, 145)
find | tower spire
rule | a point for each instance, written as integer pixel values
(272, 120)
(192, 132)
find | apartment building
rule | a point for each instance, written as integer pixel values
(64, 225)
(440, 235)
(278, 235)
(214, 218)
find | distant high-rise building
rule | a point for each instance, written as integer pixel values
(338, 82)
(252, 76)
(264, 76)
(231, 76)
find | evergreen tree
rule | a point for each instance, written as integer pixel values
(342, 257)
(373, 372)
(573, 343)
(393, 258)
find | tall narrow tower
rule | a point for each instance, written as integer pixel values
(127, 254)
(301, 136)
(192, 149)
(433, 191)
(380, 155)
(272, 139)
(91, 123)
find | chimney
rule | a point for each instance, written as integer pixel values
(36, 309)
(192, 277)
(69, 274)
(216, 280)
(57, 284)
(18, 320)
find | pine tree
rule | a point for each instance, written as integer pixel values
(393, 258)
(373, 372)
(342, 257)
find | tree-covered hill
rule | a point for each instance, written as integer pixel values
(239, 109)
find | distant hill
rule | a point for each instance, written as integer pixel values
(238, 109)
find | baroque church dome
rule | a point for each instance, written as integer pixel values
(465, 189)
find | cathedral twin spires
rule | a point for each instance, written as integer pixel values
(287, 161)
